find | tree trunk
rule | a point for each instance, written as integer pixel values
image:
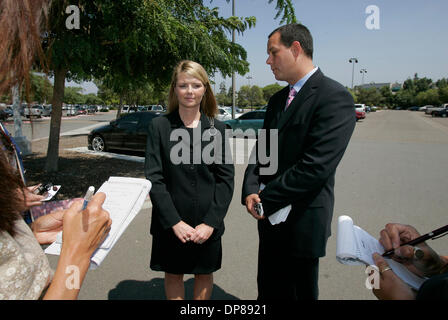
(120, 107)
(16, 111)
(51, 164)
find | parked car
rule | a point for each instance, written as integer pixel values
(440, 113)
(127, 109)
(126, 133)
(414, 108)
(424, 108)
(91, 109)
(9, 111)
(47, 110)
(82, 109)
(143, 108)
(249, 120)
(72, 111)
(34, 111)
(360, 107)
(223, 115)
(4, 115)
(431, 110)
(238, 112)
(360, 115)
(157, 107)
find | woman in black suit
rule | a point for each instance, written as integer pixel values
(192, 184)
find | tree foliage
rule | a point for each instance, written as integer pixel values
(247, 95)
(250, 96)
(222, 97)
(269, 90)
(128, 44)
(415, 92)
(371, 97)
(142, 40)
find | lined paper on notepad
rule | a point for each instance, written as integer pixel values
(124, 199)
(355, 246)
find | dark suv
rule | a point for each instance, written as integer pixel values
(440, 113)
(126, 133)
(4, 115)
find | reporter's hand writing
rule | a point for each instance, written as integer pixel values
(391, 287)
(396, 234)
(83, 232)
(251, 200)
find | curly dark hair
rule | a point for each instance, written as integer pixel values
(11, 204)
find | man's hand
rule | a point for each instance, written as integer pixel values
(396, 234)
(251, 200)
(391, 286)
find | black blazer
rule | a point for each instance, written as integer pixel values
(192, 192)
(313, 134)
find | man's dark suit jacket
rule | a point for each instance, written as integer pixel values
(194, 193)
(313, 134)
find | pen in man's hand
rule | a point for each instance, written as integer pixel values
(430, 235)
(88, 196)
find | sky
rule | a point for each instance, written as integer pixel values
(404, 37)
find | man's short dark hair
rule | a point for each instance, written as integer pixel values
(296, 32)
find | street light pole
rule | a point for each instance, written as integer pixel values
(233, 72)
(353, 60)
(249, 91)
(23, 143)
(363, 71)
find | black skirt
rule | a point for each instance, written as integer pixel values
(170, 255)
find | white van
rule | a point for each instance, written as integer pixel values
(360, 107)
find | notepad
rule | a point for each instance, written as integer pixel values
(124, 200)
(355, 246)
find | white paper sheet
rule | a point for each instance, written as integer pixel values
(280, 215)
(355, 246)
(124, 199)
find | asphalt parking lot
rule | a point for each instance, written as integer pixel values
(394, 170)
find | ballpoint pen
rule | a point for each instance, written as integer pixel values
(430, 235)
(88, 196)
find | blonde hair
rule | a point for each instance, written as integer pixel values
(193, 69)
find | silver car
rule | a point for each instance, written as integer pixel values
(33, 111)
(223, 115)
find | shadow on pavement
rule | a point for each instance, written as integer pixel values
(78, 171)
(154, 290)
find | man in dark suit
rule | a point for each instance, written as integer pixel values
(315, 118)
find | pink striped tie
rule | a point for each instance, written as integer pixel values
(292, 94)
